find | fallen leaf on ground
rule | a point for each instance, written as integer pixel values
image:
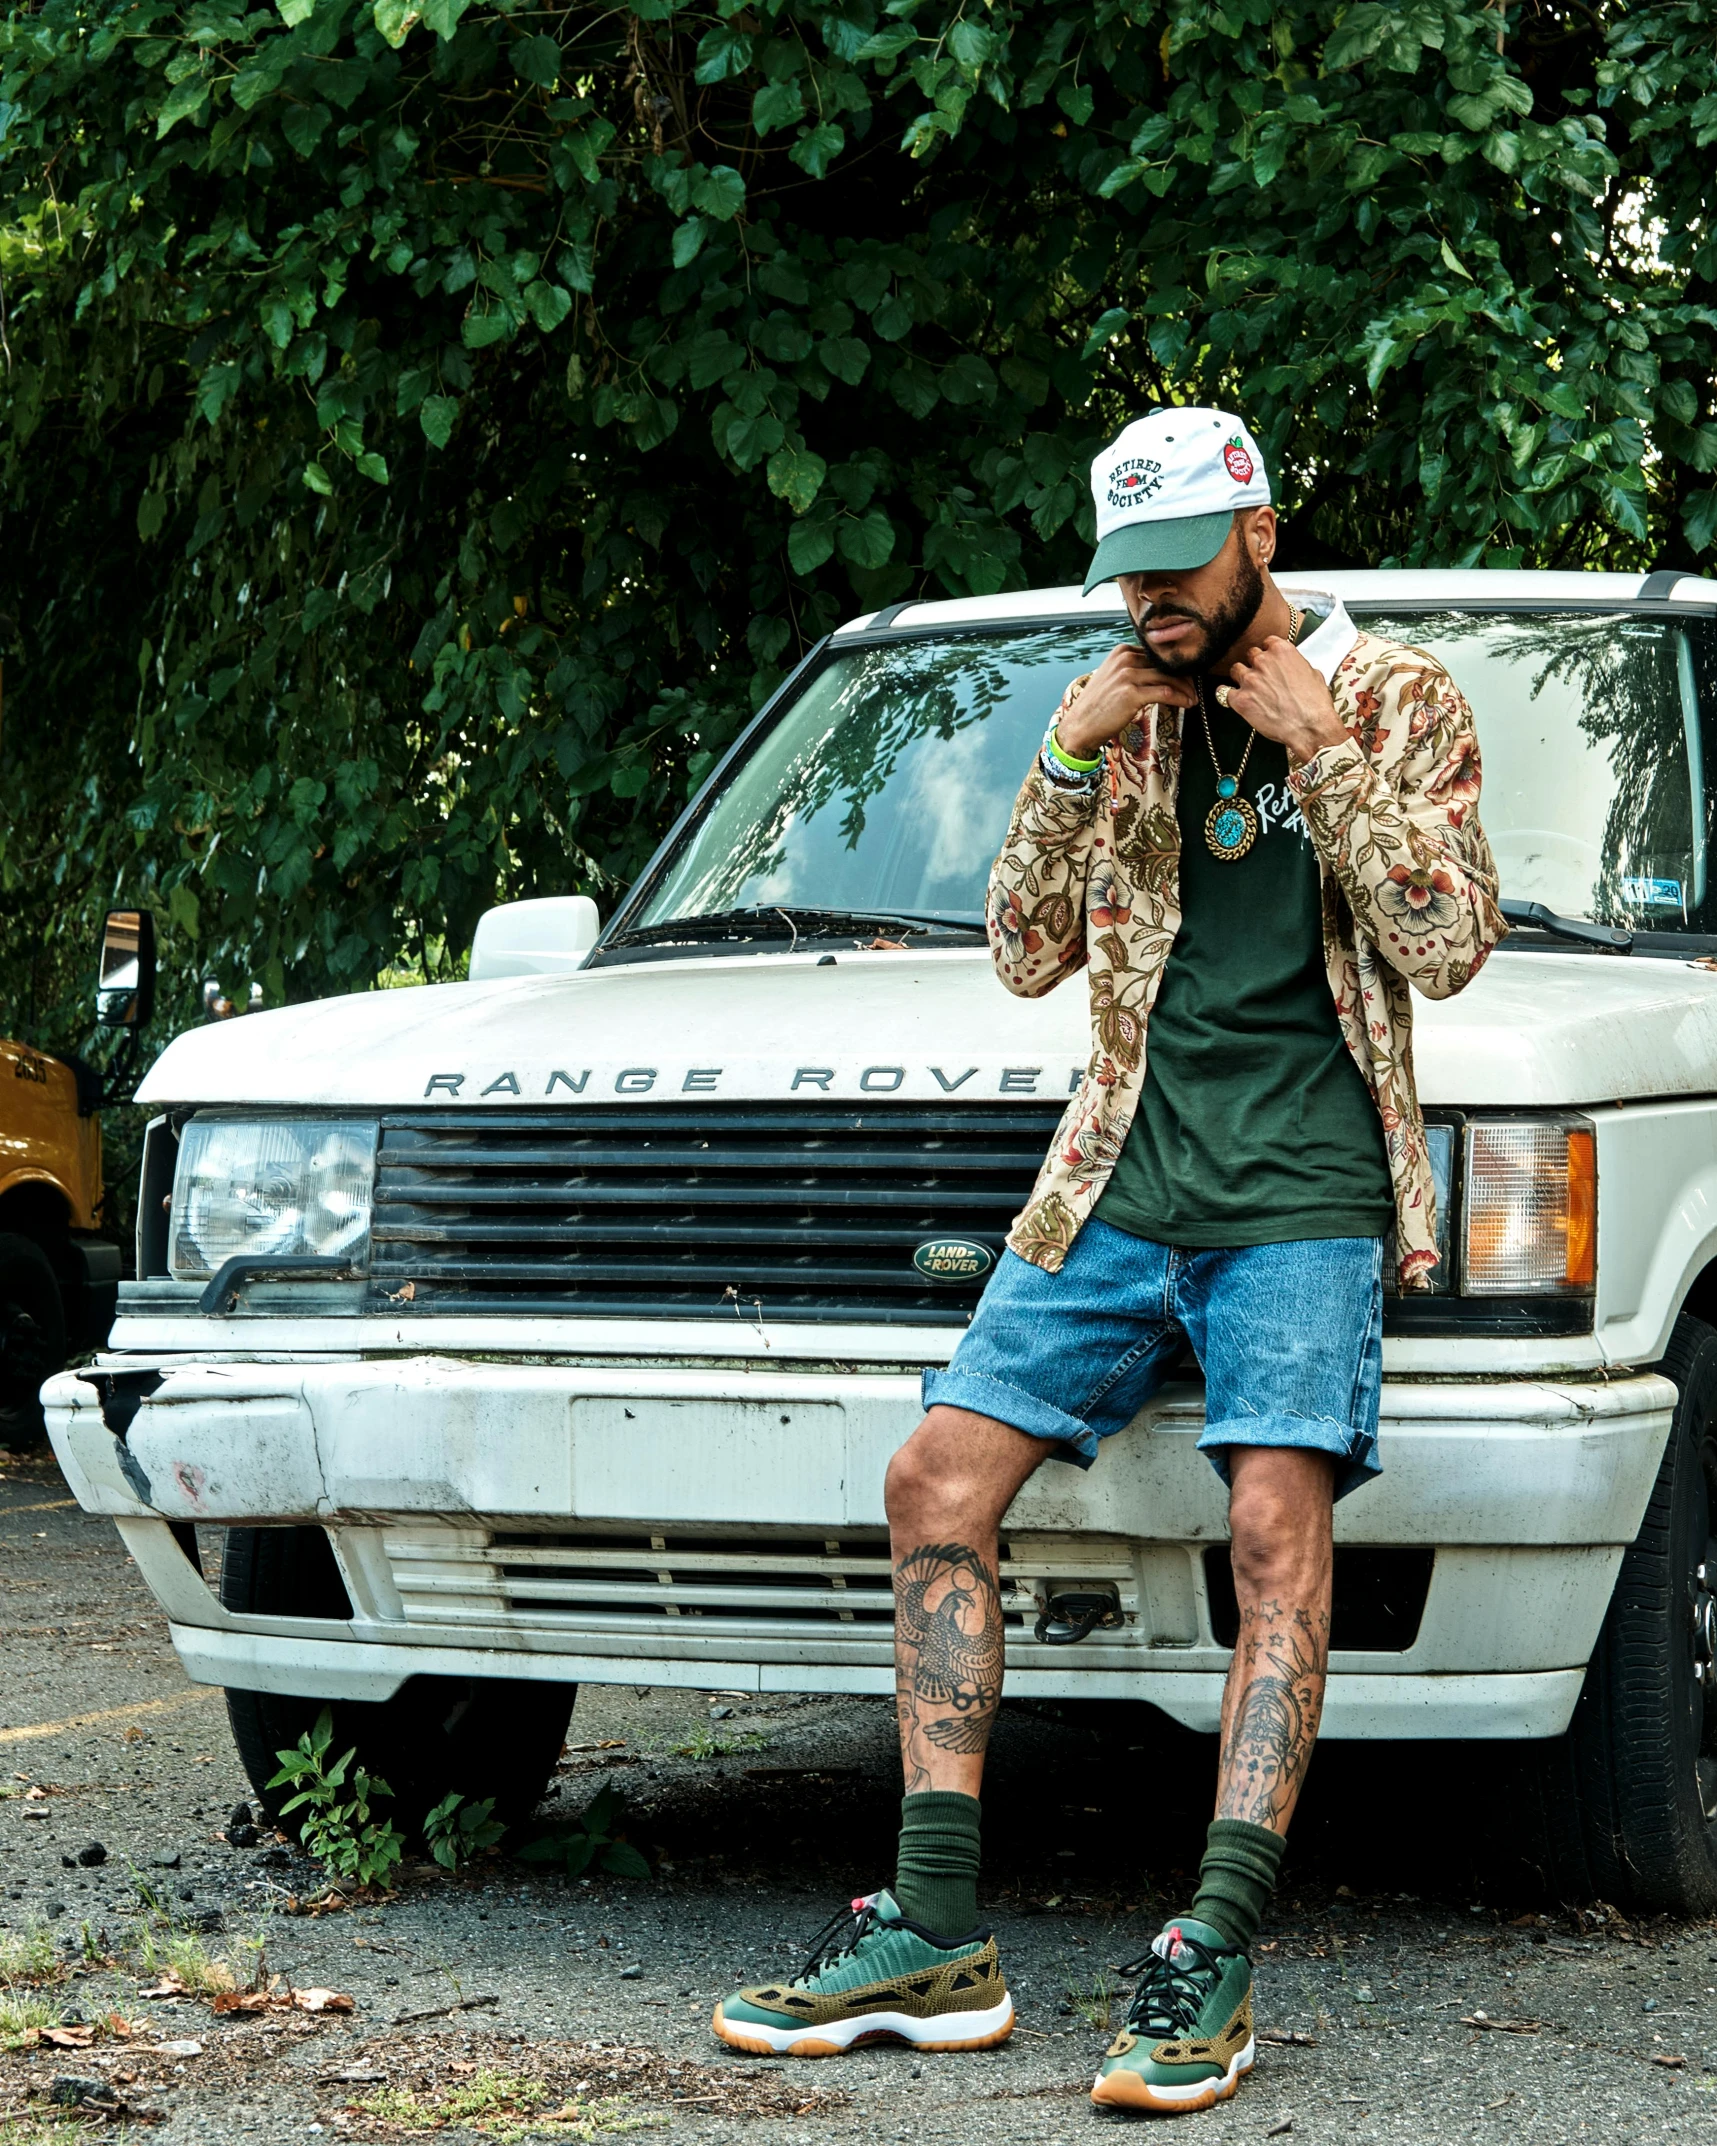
(168, 1986)
(278, 1998)
(68, 2037)
(1287, 2037)
(1669, 2063)
(1281, 2130)
(1501, 2026)
(119, 2026)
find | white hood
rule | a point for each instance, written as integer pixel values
(1533, 1029)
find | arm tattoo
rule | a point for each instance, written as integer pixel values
(947, 1653)
(1277, 1679)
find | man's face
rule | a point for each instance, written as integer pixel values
(1191, 617)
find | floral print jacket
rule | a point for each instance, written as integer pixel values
(1409, 897)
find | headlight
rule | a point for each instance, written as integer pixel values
(271, 1188)
(1530, 1207)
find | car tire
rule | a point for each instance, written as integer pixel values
(32, 1338)
(480, 1736)
(1625, 1804)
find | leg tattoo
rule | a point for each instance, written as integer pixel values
(1272, 1707)
(948, 1655)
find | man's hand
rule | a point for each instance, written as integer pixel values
(1122, 687)
(1282, 697)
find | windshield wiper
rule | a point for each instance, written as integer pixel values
(1560, 927)
(794, 921)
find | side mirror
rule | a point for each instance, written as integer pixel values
(542, 938)
(125, 986)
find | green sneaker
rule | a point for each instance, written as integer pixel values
(880, 1979)
(1188, 2039)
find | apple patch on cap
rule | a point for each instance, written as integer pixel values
(1238, 460)
(1131, 483)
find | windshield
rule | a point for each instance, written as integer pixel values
(884, 789)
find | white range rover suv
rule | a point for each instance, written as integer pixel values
(557, 1326)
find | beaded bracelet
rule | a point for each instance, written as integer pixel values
(1062, 771)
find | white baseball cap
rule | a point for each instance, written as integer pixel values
(1166, 489)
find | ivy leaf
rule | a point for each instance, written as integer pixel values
(537, 60)
(479, 331)
(1451, 260)
(317, 478)
(722, 52)
(1105, 328)
(293, 12)
(796, 475)
(719, 192)
(866, 540)
(395, 20)
(441, 16)
(184, 101)
(810, 544)
(777, 104)
(547, 304)
(1699, 520)
(817, 148)
(688, 240)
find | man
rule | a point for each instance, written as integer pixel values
(1257, 826)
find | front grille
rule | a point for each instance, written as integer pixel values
(839, 1587)
(715, 1212)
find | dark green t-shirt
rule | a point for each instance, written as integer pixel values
(1254, 1126)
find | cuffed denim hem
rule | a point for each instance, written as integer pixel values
(1317, 1434)
(1011, 1405)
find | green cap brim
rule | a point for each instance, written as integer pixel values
(1159, 547)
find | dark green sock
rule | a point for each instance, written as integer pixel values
(1237, 1877)
(936, 1881)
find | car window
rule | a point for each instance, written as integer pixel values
(1590, 731)
(886, 785)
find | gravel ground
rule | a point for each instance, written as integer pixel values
(1410, 1988)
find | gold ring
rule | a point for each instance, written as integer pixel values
(1225, 696)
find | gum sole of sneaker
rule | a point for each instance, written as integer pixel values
(985, 2030)
(1126, 2090)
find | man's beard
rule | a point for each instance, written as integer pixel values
(1222, 627)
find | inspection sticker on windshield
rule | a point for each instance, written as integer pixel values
(1652, 893)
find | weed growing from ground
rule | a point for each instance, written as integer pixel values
(457, 1830)
(591, 1841)
(181, 1956)
(707, 1744)
(19, 2012)
(27, 1955)
(339, 1828)
(1092, 2001)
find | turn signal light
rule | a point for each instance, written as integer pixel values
(1530, 1204)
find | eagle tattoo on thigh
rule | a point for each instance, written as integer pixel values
(947, 1609)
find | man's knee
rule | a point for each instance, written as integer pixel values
(1279, 1525)
(956, 1468)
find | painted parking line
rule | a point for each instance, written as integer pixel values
(54, 1505)
(195, 1697)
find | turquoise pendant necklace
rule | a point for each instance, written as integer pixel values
(1231, 824)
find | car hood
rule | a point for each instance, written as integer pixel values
(1532, 1029)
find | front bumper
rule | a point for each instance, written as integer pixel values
(722, 1527)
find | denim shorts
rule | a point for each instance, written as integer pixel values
(1290, 1337)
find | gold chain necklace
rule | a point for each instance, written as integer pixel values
(1231, 824)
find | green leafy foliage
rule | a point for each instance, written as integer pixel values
(592, 1841)
(429, 431)
(340, 1828)
(456, 1830)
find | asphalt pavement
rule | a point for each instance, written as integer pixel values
(1413, 1984)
